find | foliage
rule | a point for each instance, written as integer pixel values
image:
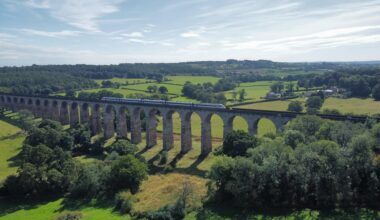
(314, 102)
(98, 95)
(127, 172)
(295, 106)
(318, 164)
(293, 138)
(236, 143)
(70, 216)
(123, 147)
(124, 201)
(376, 92)
(205, 92)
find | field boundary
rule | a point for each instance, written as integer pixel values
(264, 100)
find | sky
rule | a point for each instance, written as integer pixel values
(128, 31)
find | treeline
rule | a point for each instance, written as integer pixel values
(47, 166)
(359, 82)
(314, 163)
(43, 83)
(208, 92)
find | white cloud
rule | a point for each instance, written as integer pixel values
(81, 14)
(190, 34)
(64, 33)
(133, 34)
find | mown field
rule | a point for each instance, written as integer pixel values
(124, 80)
(352, 105)
(11, 138)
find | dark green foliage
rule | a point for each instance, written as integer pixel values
(98, 95)
(295, 106)
(376, 92)
(277, 87)
(163, 90)
(314, 102)
(41, 82)
(329, 164)
(82, 137)
(127, 172)
(293, 138)
(205, 92)
(308, 124)
(51, 134)
(124, 201)
(237, 143)
(91, 181)
(123, 147)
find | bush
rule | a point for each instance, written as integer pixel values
(124, 202)
(163, 157)
(295, 106)
(70, 216)
(293, 138)
(123, 147)
(127, 172)
(236, 143)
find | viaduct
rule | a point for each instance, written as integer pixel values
(110, 118)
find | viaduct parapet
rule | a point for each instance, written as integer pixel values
(110, 118)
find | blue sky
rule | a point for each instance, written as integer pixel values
(119, 31)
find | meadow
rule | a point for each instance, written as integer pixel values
(11, 138)
(124, 80)
(351, 105)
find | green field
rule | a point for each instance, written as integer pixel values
(193, 79)
(351, 105)
(11, 139)
(172, 89)
(125, 80)
(51, 209)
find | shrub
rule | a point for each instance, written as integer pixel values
(124, 202)
(237, 143)
(163, 157)
(295, 106)
(70, 216)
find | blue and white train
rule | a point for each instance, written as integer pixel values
(163, 102)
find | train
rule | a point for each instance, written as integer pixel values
(163, 102)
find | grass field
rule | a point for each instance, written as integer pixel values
(351, 105)
(124, 80)
(51, 209)
(193, 79)
(172, 89)
(11, 139)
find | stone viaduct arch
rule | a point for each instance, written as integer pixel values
(110, 118)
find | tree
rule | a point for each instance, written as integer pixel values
(237, 143)
(163, 90)
(242, 94)
(152, 89)
(107, 84)
(376, 92)
(307, 124)
(123, 147)
(314, 102)
(70, 93)
(127, 172)
(277, 87)
(293, 138)
(295, 106)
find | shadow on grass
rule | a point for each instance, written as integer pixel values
(77, 204)
(154, 167)
(10, 205)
